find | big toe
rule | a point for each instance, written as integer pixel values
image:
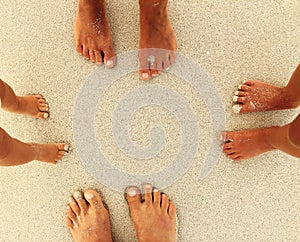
(43, 115)
(145, 74)
(133, 197)
(94, 199)
(109, 58)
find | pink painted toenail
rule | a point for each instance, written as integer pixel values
(88, 196)
(145, 75)
(221, 138)
(77, 195)
(237, 108)
(235, 98)
(109, 63)
(147, 187)
(46, 115)
(131, 192)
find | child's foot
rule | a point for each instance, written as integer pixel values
(50, 153)
(92, 33)
(157, 39)
(87, 218)
(154, 218)
(33, 105)
(242, 145)
(257, 96)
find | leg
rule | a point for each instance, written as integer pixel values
(30, 105)
(157, 38)
(87, 218)
(14, 152)
(256, 96)
(92, 34)
(154, 218)
(243, 145)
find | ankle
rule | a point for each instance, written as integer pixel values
(35, 151)
(153, 6)
(95, 5)
(277, 136)
(292, 96)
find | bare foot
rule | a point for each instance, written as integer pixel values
(246, 144)
(87, 218)
(155, 217)
(50, 153)
(33, 105)
(92, 33)
(257, 96)
(157, 39)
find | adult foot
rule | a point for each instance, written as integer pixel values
(242, 145)
(31, 105)
(154, 217)
(50, 153)
(87, 218)
(92, 33)
(257, 96)
(157, 38)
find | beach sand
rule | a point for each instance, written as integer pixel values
(255, 200)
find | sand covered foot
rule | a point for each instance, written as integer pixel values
(157, 39)
(87, 218)
(257, 96)
(50, 153)
(154, 218)
(242, 145)
(92, 33)
(33, 106)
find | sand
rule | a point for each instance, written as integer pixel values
(256, 200)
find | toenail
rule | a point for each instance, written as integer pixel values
(148, 187)
(89, 196)
(66, 148)
(240, 86)
(68, 207)
(131, 192)
(109, 63)
(222, 138)
(155, 190)
(235, 98)
(46, 115)
(145, 75)
(236, 108)
(237, 93)
(70, 200)
(77, 195)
